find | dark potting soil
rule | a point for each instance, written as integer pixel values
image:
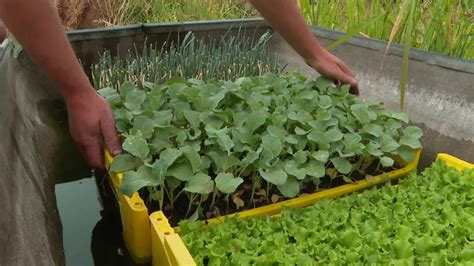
(224, 205)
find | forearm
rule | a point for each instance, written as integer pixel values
(286, 18)
(36, 25)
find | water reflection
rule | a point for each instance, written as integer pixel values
(91, 235)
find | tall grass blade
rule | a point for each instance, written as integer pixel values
(406, 54)
(395, 27)
(443, 26)
(357, 29)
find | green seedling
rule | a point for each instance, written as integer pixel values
(213, 139)
(426, 219)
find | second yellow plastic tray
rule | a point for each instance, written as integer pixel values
(454, 162)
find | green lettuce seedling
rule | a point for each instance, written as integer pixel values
(426, 219)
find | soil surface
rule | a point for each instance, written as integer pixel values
(227, 205)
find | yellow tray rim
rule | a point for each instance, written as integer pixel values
(454, 161)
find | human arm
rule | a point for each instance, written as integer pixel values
(36, 25)
(286, 18)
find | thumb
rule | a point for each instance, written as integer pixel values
(111, 139)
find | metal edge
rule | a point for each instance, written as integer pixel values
(204, 25)
(154, 28)
(100, 33)
(416, 54)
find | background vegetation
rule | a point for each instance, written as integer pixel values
(443, 26)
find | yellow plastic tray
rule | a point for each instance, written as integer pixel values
(135, 218)
(167, 246)
(137, 228)
(453, 161)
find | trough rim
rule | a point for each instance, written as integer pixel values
(429, 57)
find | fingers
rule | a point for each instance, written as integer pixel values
(109, 133)
(338, 74)
(333, 68)
(91, 151)
(354, 83)
(345, 68)
(91, 122)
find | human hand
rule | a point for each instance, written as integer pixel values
(286, 18)
(91, 121)
(333, 68)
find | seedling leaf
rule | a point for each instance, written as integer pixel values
(342, 165)
(136, 145)
(274, 175)
(227, 183)
(122, 163)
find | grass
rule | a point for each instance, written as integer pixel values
(443, 26)
(120, 12)
(406, 52)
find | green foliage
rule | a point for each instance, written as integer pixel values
(122, 163)
(226, 183)
(424, 220)
(226, 58)
(142, 11)
(271, 131)
(441, 26)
